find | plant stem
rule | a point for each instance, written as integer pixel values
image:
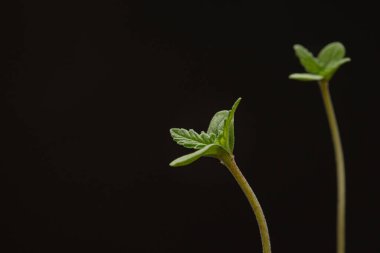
(230, 163)
(339, 159)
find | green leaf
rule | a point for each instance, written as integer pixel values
(330, 58)
(308, 61)
(331, 53)
(330, 70)
(217, 122)
(218, 142)
(212, 150)
(227, 137)
(305, 77)
(191, 139)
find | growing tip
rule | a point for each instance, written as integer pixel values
(236, 104)
(297, 46)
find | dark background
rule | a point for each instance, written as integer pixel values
(90, 89)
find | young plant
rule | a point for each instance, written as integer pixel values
(218, 142)
(322, 69)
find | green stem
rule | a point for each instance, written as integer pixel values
(339, 159)
(230, 163)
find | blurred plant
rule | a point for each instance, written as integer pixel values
(322, 69)
(218, 143)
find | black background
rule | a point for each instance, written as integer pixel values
(90, 89)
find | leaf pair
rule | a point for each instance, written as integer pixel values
(218, 141)
(323, 67)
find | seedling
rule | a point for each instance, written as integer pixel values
(218, 142)
(322, 69)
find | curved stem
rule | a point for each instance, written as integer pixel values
(230, 163)
(339, 159)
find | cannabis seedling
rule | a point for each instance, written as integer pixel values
(322, 69)
(218, 143)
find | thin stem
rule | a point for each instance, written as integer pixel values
(339, 159)
(230, 163)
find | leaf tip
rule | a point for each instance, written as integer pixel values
(295, 46)
(298, 47)
(236, 104)
(335, 43)
(173, 164)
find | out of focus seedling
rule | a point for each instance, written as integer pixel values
(322, 69)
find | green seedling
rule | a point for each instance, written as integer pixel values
(322, 69)
(218, 142)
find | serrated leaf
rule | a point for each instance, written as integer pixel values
(330, 70)
(305, 77)
(308, 61)
(331, 53)
(191, 139)
(218, 142)
(212, 150)
(227, 137)
(217, 122)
